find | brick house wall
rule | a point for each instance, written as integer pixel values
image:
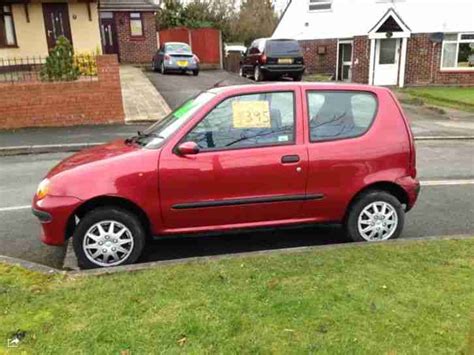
(82, 102)
(424, 63)
(360, 60)
(136, 49)
(320, 63)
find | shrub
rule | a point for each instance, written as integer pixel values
(59, 64)
(86, 64)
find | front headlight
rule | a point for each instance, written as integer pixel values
(43, 189)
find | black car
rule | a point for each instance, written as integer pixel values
(272, 59)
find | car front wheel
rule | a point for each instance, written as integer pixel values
(108, 236)
(375, 216)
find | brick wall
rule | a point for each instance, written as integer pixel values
(320, 63)
(360, 60)
(424, 63)
(136, 49)
(82, 102)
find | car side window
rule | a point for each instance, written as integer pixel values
(247, 121)
(340, 114)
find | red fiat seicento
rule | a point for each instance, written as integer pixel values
(238, 157)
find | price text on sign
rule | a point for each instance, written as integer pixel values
(251, 114)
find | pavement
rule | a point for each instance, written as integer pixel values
(140, 99)
(445, 207)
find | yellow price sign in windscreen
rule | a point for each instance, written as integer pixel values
(251, 114)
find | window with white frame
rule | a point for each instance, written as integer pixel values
(458, 51)
(319, 5)
(7, 28)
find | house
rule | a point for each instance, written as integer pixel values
(31, 27)
(385, 42)
(128, 29)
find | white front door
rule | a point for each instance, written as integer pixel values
(387, 56)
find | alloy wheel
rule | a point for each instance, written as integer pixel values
(377, 221)
(108, 243)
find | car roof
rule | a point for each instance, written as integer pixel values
(292, 85)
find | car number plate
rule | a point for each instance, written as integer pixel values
(182, 63)
(285, 61)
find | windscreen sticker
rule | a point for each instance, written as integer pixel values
(251, 114)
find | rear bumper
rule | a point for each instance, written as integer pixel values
(412, 188)
(282, 69)
(175, 67)
(54, 214)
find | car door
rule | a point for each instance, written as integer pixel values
(251, 168)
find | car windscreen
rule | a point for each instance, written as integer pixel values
(178, 48)
(153, 136)
(282, 48)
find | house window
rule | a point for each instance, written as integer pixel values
(319, 5)
(458, 51)
(136, 24)
(7, 28)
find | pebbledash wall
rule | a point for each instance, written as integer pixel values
(422, 67)
(136, 49)
(82, 102)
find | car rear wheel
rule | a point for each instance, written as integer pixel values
(108, 236)
(162, 68)
(195, 72)
(153, 66)
(375, 216)
(257, 74)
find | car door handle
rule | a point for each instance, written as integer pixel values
(289, 159)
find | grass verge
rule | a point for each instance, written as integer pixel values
(461, 98)
(381, 299)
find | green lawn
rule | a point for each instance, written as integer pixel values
(381, 299)
(456, 97)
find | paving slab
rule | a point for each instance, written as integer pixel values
(142, 102)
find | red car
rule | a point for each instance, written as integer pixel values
(238, 157)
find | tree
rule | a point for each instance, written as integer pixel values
(170, 15)
(256, 19)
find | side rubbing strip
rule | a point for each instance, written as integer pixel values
(247, 201)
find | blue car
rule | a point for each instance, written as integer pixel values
(175, 57)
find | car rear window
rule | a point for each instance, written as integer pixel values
(279, 48)
(178, 48)
(340, 114)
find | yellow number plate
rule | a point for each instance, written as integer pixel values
(285, 61)
(182, 63)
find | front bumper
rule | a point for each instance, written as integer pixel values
(54, 214)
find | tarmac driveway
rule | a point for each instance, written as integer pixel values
(176, 88)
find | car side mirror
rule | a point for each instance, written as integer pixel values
(187, 148)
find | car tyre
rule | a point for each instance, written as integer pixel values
(241, 72)
(375, 216)
(162, 68)
(119, 244)
(153, 66)
(195, 72)
(257, 74)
